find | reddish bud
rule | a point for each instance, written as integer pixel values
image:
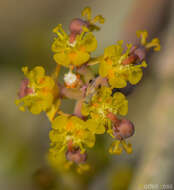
(76, 25)
(76, 156)
(24, 89)
(124, 129)
(140, 52)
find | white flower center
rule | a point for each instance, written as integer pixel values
(70, 78)
(72, 44)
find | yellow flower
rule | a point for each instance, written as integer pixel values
(102, 103)
(155, 43)
(75, 53)
(81, 133)
(86, 13)
(117, 73)
(44, 90)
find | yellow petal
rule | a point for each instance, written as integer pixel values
(81, 58)
(60, 122)
(117, 81)
(89, 139)
(62, 59)
(104, 68)
(95, 127)
(58, 45)
(89, 42)
(35, 108)
(135, 76)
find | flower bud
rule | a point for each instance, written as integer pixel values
(76, 156)
(24, 89)
(140, 52)
(76, 25)
(124, 129)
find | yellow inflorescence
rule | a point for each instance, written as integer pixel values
(98, 104)
(118, 74)
(76, 53)
(44, 91)
(103, 103)
(81, 133)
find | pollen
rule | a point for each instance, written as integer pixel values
(71, 80)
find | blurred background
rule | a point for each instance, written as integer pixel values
(25, 39)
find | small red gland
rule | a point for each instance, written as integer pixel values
(131, 59)
(124, 129)
(76, 25)
(24, 89)
(113, 118)
(137, 54)
(76, 156)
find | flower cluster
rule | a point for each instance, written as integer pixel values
(71, 128)
(100, 104)
(70, 51)
(119, 68)
(37, 92)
